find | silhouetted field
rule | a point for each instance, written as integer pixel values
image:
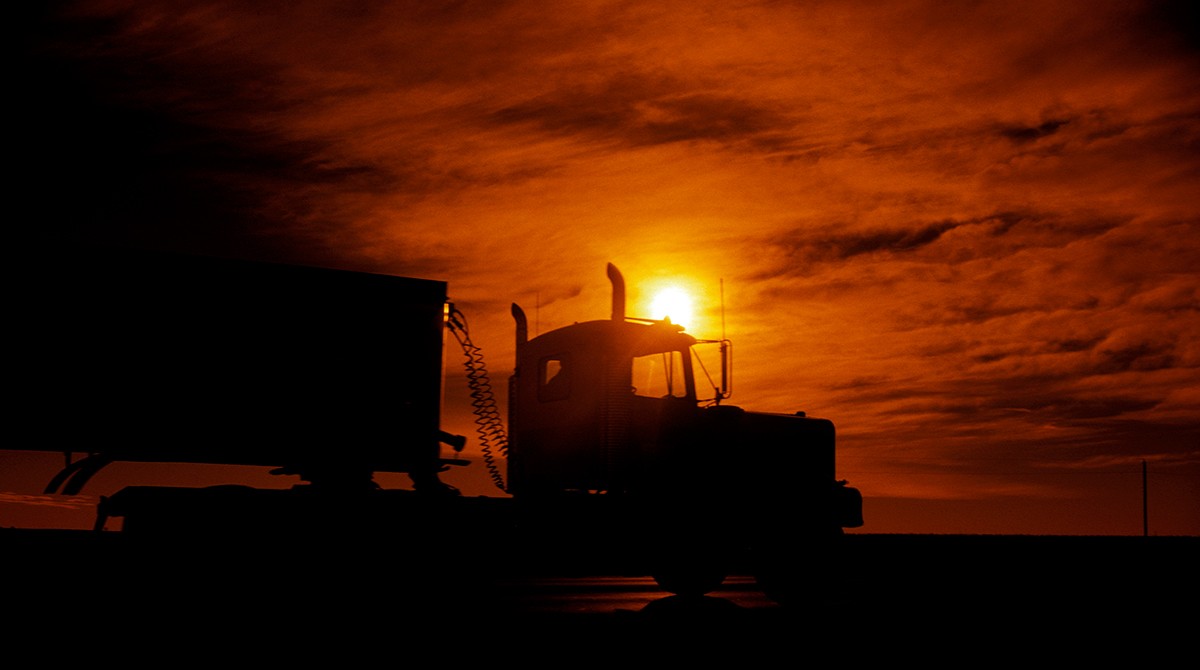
(904, 579)
(946, 599)
(961, 600)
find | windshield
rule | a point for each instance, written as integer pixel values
(660, 375)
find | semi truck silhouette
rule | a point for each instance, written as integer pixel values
(617, 430)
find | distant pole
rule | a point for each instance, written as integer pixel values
(1145, 513)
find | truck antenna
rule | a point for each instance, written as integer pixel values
(722, 308)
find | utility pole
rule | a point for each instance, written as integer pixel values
(1145, 513)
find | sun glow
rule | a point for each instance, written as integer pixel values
(674, 303)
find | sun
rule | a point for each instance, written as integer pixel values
(672, 303)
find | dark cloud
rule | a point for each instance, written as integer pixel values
(1023, 134)
(1168, 25)
(807, 252)
(1072, 345)
(893, 241)
(1143, 356)
(173, 138)
(1065, 407)
(1167, 442)
(1039, 399)
(636, 110)
(801, 248)
(99, 161)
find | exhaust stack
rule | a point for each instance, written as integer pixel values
(618, 295)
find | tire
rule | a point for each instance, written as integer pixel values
(801, 573)
(688, 562)
(690, 581)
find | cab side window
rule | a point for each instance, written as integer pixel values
(554, 378)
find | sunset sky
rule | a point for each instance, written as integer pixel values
(968, 233)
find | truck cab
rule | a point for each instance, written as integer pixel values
(594, 404)
(615, 406)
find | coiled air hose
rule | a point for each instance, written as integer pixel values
(483, 402)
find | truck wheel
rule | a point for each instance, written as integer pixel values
(689, 568)
(690, 581)
(801, 573)
(688, 553)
